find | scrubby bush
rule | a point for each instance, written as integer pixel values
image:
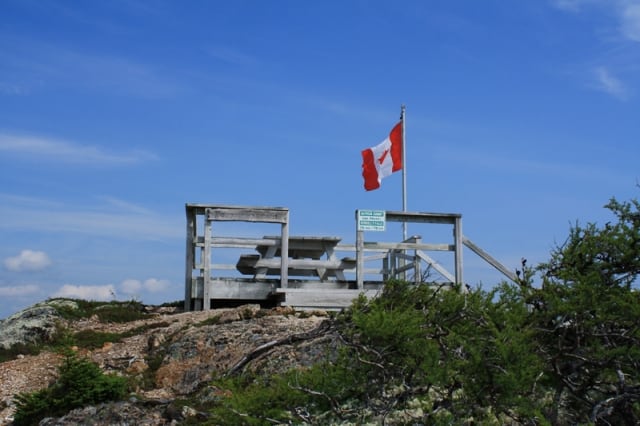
(114, 311)
(562, 352)
(425, 353)
(586, 318)
(80, 383)
(8, 354)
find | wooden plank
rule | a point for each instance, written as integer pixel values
(457, 237)
(359, 257)
(307, 298)
(435, 265)
(407, 246)
(222, 266)
(284, 258)
(248, 214)
(316, 285)
(302, 246)
(405, 268)
(196, 288)
(236, 242)
(492, 261)
(422, 217)
(377, 271)
(249, 263)
(376, 257)
(307, 240)
(230, 289)
(201, 208)
(206, 261)
(401, 255)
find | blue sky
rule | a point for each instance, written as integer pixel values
(522, 116)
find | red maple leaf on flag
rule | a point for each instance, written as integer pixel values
(382, 157)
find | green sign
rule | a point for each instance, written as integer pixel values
(371, 220)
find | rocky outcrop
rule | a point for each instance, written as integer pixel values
(116, 413)
(181, 352)
(33, 325)
(198, 354)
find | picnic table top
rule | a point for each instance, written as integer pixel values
(312, 247)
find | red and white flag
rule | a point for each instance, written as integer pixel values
(383, 159)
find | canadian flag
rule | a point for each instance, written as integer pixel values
(383, 159)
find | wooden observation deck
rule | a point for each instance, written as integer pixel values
(307, 272)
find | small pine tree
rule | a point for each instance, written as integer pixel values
(80, 383)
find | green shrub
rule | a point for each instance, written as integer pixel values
(256, 401)
(145, 327)
(80, 383)
(175, 304)
(118, 312)
(61, 337)
(91, 339)
(121, 312)
(12, 352)
(212, 320)
(454, 355)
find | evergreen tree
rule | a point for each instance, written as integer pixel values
(587, 321)
(80, 383)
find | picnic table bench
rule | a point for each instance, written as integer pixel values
(308, 256)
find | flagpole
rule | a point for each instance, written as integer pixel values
(404, 172)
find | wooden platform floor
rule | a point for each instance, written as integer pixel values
(299, 294)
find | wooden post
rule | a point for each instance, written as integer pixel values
(284, 252)
(360, 259)
(189, 261)
(417, 275)
(206, 265)
(457, 236)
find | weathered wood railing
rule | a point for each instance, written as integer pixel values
(398, 251)
(321, 277)
(198, 288)
(397, 260)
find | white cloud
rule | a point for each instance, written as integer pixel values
(86, 292)
(565, 169)
(19, 291)
(48, 149)
(569, 5)
(625, 12)
(230, 55)
(28, 260)
(124, 205)
(13, 89)
(607, 83)
(135, 287)
(34, 65)
(618, 24)
(115, 219)
(130, 286)
(154, 285)
(127, 288)
(630, 25)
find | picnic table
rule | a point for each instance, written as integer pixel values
(308, 256)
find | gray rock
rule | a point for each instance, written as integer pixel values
(114, 413)
(33, 325)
